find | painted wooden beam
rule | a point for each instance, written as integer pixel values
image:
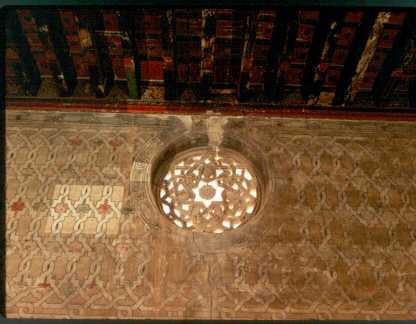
(168, 53)
(247, 55)
(188, 52)
(207, 46)
(382, 38)
(223, 4)
(88, 41)
(257, 46)
(21, 74)
(37, 32)
(264, 110)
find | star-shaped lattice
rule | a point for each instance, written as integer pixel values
(217, 197)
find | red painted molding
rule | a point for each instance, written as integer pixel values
(220, 109)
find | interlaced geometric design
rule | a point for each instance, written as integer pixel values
(336, 238)
(209, 190)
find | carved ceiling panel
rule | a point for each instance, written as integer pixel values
(284, 56)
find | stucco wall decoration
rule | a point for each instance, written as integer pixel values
(317, 217)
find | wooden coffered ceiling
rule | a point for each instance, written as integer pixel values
(350, 59)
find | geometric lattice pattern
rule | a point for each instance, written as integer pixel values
(85, 209)
(209, 190)
(335, 238)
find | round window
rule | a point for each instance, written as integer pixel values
(208, 190)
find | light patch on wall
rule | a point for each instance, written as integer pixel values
(85, 209)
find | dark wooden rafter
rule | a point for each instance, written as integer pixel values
(321, 65)
(379, 42)
(70, 28)
(398, 68)
(13, 71)
(188, 51)
(264, 35)
(338, 45)
(112, 35)
(55, 51)
(401, 85)
(296, 57)
(88, 41)
(282, 51)
(16, 82)
(207, 46)
(135, 22)
(247, 55)
(96, 25)
(130, 57)
(37, 31)
(120, 51)
(256, 55)
(21, 72)
(30, 30)
(228, 45)
(168, 53)
(284, 56)
(341, 30)
(57, 42)
(354, 55)
(322, 44)
(149, 34)
(271, 68)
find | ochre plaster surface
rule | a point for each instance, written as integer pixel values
(333, 238)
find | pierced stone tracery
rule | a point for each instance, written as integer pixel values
(209, 190)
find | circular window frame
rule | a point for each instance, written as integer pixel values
(227, 154)
(144, 204)
(242, 145)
